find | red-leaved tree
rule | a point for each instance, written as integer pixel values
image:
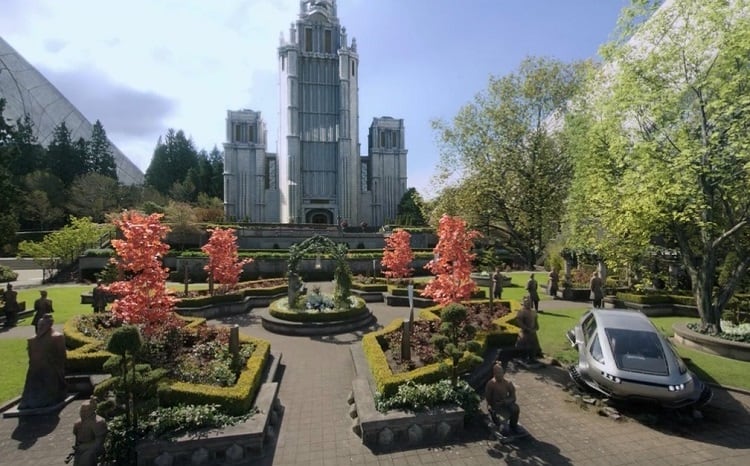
(397, 255)
(452, 263)
(224, 266)
(142, 295)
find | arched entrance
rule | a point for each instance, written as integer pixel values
(319, 216)
(342, 275)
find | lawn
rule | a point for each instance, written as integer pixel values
(15, 362)
(66, 301)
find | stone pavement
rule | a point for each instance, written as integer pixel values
(316, 428)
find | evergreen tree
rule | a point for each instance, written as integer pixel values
(65, 158)
(172, 160)
(101, 160)
(410, 209)
(9, 194)
(29, 154)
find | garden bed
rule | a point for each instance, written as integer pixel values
(710, 344)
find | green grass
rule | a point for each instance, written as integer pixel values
(66, 300)
(15, 362)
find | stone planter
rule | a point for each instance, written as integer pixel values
(213, 311)
(396, 428)
(238, 444)
(710, 344)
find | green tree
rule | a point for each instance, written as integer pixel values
(63, 246)
(173, 158)
(661, 148)
(510, 171)
(9, 194)
(65, 158)
(101, 160)
(29, 154)
(93, 195)
(410, 211)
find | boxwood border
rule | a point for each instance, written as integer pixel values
(387, 383)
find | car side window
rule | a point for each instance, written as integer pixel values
(596, 349)
(589, 327)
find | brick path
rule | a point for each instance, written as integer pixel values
(316, 428)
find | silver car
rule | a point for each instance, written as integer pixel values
(622, 355)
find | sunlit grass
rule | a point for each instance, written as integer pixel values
(15, 362)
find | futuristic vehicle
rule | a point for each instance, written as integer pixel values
(623, 356)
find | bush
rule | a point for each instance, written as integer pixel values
(7, 274)
(412, 396)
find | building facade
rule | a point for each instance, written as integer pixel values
(322, 178)
(251, 181)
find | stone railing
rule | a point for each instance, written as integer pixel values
(710, 344)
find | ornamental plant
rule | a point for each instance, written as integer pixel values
(397, 255)
(224, 266)
(452, 263)
(143, 298)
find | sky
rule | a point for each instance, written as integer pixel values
(144, 66)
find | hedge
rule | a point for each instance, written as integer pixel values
(278, 310)
(234, 400)
(369, 287)
(387, 383)
(86, 354)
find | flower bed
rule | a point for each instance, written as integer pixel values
(323, 312)
(376, 344)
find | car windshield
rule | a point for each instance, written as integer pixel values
(637, 351)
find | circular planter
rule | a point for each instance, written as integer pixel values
(279, 320)
(710, 344)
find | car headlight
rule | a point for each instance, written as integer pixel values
(611, 378)
(677, 388)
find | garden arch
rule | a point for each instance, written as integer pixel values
(342, 275)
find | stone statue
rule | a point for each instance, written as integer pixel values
(90, 432)
(45, 378)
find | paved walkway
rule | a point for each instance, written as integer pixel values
(316, 428)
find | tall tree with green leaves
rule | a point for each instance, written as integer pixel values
(507, 166)
(661, 149)
(9, 194)
(100, 158)
(66, 158)
(173, 158)
(410, 211)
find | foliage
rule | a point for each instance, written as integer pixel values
(224, 266)
(455, 338)
(342, 274)
(173, 158)
(163, 423)
(419, 397)
(143, 298)
(7, 274)
(182, 221)
(661, 151)
(93, 195)
(502, 166)
(397, 254)
(100, 158)
(65, 158)
(63, 246)
(452, 262)
(410, 210)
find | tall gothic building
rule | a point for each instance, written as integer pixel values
(318, 175)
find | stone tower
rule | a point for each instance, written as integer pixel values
(319, 109)
(250, 173)
(386, 170)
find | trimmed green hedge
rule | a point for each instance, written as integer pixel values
(369, 287)
(234, 400)
(279, 310)
(387, 383)
(87, 355)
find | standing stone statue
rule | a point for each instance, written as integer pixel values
(45, 378)
(90, 432)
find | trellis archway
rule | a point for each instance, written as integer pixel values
(342, 274)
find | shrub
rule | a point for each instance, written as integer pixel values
(7, 274)
(419, 397)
